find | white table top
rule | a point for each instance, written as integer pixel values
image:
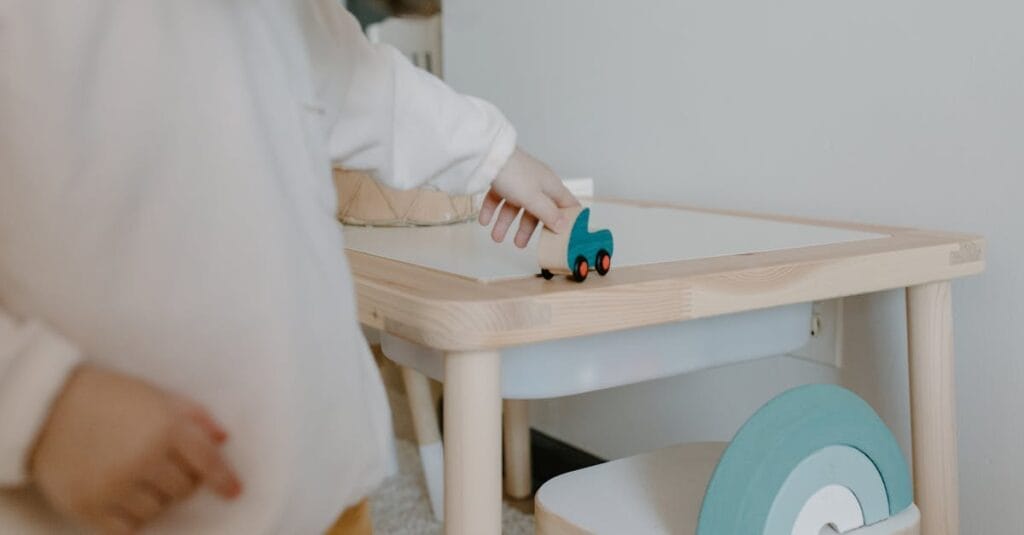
(643, 235)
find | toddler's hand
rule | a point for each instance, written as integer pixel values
(526, 184)
(115, 451)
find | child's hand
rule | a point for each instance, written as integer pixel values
(526, 184)
(115, 451)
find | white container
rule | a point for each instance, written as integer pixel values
(587, 363)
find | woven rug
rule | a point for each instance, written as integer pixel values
(400, 506)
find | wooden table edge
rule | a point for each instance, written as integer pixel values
(452, 313)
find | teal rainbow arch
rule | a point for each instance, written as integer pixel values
(778, 438)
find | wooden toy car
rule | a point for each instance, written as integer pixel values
(576, 252)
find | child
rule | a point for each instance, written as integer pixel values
(176, 311)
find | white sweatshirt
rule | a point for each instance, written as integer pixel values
(166, 210)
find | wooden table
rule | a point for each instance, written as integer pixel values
(743, 262)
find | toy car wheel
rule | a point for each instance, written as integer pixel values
(603, 263)
(547, 274)
(581, 269)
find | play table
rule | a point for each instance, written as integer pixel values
(449, 288)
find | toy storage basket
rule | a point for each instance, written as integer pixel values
(364, 201)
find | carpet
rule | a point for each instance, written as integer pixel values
(400, 506)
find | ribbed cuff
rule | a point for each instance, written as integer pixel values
(34, 376)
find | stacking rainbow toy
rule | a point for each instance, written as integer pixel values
(814, 459)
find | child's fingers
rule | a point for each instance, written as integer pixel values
(142, 503)
(204, 456)
(489, 206)
(527, 224)
(208, 424)
(116, 521)
(560, 194)
(506, 217)
(171, 479)
(544, 209)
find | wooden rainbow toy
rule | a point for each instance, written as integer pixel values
(576, 252)
(816, 455)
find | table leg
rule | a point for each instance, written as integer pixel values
(428, 436)
(472, 437)
(518, 477)
(933, 407)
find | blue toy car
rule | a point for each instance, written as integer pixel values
(586, 250)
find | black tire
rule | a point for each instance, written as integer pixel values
(547, 274)
(603, 262)
(580, 269)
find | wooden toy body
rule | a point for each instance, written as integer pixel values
(577, 252)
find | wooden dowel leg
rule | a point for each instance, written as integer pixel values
(933, 407)
(472, 453)
(518, 477)
(428, 436)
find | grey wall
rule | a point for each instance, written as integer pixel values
(898, 112)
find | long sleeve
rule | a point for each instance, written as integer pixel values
(34, 364)
(399, 122)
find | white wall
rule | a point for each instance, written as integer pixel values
(898, 112)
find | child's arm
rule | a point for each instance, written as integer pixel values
(96, 443)
(397, 121)
(410, 130)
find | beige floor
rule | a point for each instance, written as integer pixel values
(400, 507)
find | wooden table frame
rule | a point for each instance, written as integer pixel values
(471, 321)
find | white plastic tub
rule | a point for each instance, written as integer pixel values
(588, 363)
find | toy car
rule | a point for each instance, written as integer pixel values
(579, 252)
